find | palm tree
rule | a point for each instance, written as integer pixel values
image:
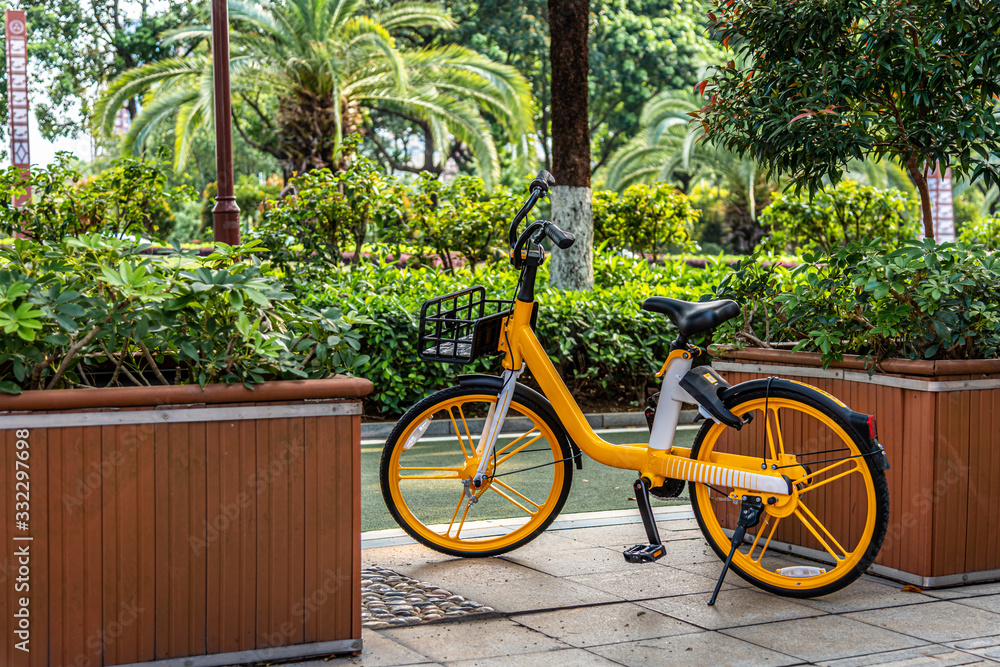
(671, 146)
(308, 70)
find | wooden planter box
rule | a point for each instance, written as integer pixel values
(219, 526)
(939, 422)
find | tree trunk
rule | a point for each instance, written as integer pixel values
(571, 197)
(925, 195)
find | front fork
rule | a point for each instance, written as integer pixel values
(494, 424)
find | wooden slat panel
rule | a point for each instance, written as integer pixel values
(951, 483)
(355, 474)
(192, 436)
(265, 545)
(40, 547)
(296, 530)
(312, 517)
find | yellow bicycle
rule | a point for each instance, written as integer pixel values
(778, 466)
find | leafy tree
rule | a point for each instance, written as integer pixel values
(80, 45)
(637, 47)
(668, 148)
(309, 71)
(819, 84)
(838, 215)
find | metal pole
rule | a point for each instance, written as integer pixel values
(225, 213)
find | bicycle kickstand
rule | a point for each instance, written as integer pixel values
(750, 512)
(645, 553)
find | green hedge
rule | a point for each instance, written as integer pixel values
(603, 344)
(920, 301)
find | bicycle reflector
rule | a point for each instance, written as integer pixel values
(872, 428)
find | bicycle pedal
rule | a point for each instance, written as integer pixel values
(644, 553)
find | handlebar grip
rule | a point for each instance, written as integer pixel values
(559, 237)
(542, 182)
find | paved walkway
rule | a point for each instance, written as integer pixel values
(569, 598)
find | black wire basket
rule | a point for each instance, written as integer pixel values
(460, 327)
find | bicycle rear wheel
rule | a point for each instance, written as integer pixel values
(426, 478)
(836, 516)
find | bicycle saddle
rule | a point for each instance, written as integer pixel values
(692, 317)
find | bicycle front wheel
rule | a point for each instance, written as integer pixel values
(426, 476)
(836, 516)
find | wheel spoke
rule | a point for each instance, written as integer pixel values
(527, 444)
(517, 493)
(450, 468)
(813, 487)
(472, 446)
(504, 495)
(461, 497)
(756, 538)
(517, 440)
(458, 532)
(774, 527)
(451, 476)
(458, 434)
(780, 451)
(826, 469)
(809, 524)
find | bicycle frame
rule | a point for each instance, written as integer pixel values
(655, 460)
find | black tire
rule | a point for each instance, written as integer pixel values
(522, 404)
(879, 484)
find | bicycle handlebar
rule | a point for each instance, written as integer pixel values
(539, 187)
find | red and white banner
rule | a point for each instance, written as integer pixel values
(16, 28)
(942, 206)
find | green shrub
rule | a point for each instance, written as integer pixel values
(983, 233)
(603, 344)
(130, 198)
(94, 311)
(250, 197)
(837, 215)
(456, 217)
(328, 214)
(646, 219)
(919, 301)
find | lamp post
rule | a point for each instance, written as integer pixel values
(225, 213)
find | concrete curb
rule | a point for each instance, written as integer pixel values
(600, 420)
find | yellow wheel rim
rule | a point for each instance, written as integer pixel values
(832, 511)
(441, 466)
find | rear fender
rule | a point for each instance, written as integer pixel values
(857, 421)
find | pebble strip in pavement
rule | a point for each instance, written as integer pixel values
(388, 599)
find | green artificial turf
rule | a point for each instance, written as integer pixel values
(595, 488)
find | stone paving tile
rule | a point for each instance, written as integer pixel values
(932, 655)
(654, 581)
(473, 639)
(934, 622)
(577, 559)
(628, 534)
(734, 608)
(507, 586)
(823, 638)
(987, 602)
(696, 649)
(570, 657)
(866, 593)
(987, 647)
(402, 556)
(965, 591)
(604, 624)
(377, 651)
